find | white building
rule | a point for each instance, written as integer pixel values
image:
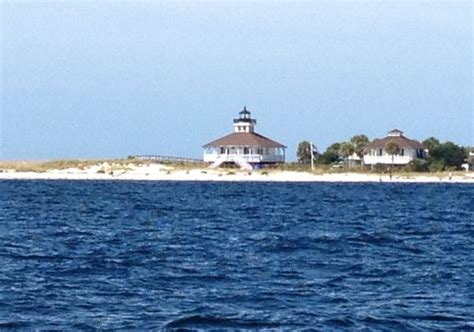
(469, 165)
(409, 150)
(244, 146)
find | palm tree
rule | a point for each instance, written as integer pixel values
(392, 149)
(360, 142)
(346, 149)
(303, 152)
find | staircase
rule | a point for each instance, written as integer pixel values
(219, 161)
(241, 162)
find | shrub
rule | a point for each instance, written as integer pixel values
(379, 168)
(436, 166)
(327, 158)
(449, 154)
(418, 165)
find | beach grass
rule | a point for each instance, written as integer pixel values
(44, 166)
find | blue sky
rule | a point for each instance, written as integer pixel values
(92, 79)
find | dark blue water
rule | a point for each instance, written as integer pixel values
(214, 256)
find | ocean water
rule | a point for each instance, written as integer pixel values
(183, 256)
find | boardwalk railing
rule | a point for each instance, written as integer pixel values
(167, 159)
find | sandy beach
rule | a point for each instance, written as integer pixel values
(157, 172)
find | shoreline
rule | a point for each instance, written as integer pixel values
(157, 172)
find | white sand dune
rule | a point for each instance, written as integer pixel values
(156, 172)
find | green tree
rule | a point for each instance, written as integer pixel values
(392, 149)
(360, 142)
(327, 158)
(346, 149)
(448, 154)
(331, 155)
(431, 143)
(334, 148)
(303, 152)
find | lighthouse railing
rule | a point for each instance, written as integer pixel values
(251, 158)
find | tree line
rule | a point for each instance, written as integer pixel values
(441, 155)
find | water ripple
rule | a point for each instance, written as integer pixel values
(235, 256)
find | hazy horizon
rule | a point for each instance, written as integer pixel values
(112, 79)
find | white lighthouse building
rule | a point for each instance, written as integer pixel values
(244, 147)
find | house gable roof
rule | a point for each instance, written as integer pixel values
(245, 139)
(401, 141)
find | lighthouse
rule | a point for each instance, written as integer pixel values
(245, 123)
(244, 147)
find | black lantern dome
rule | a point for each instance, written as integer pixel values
(245, 116)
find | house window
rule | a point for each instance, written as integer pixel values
(380, 152)
(246, 150)
(402, 152)
(222, 151)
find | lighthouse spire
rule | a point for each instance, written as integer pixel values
(244, 123)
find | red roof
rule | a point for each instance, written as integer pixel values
(245, 139)
(401, 141)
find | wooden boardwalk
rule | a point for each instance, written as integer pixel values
(168, 159)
